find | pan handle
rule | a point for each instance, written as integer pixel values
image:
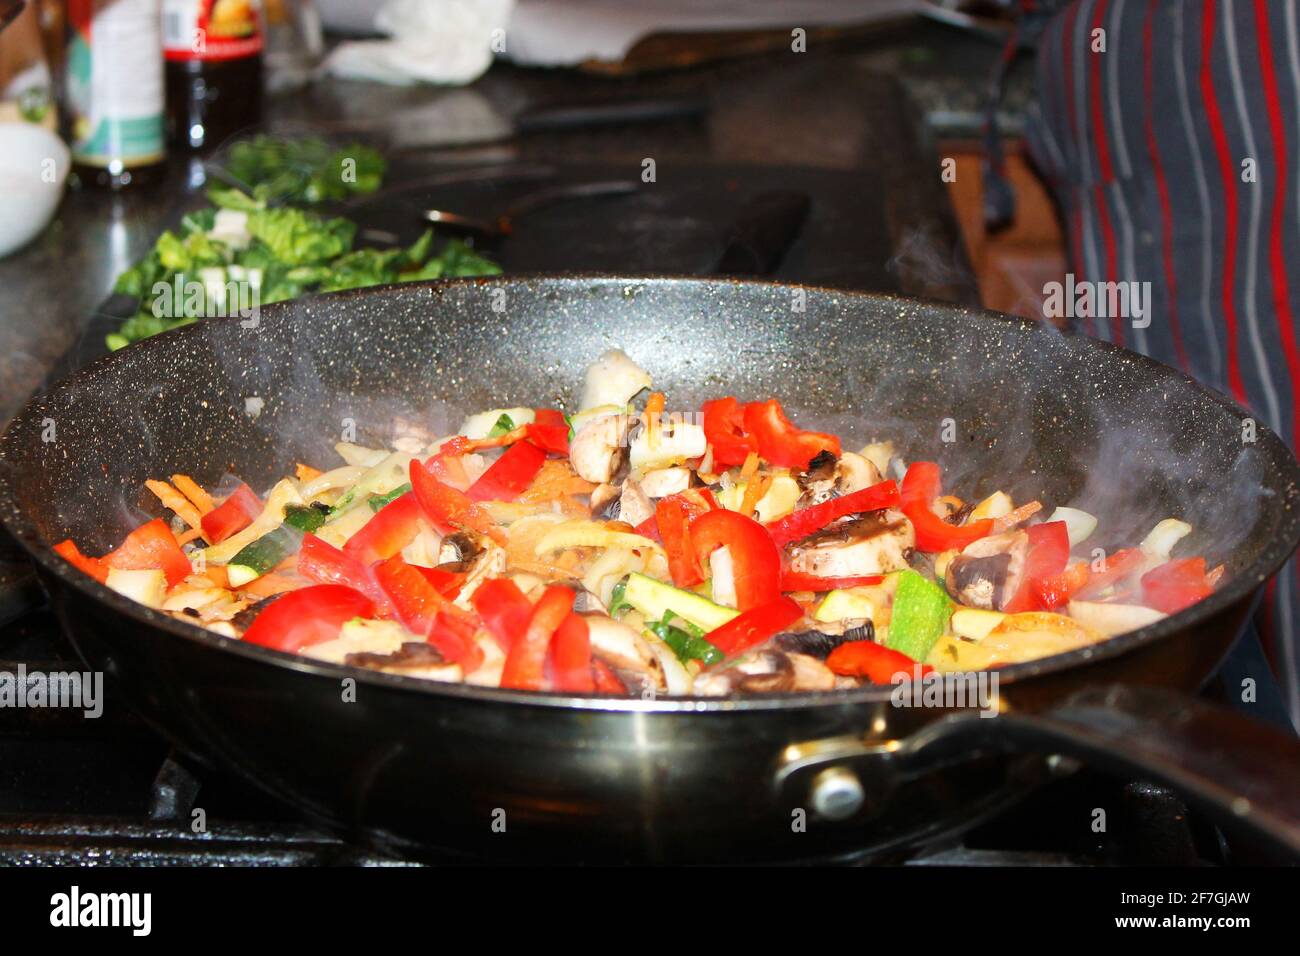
(1245, 773)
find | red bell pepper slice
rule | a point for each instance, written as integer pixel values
(1116, 568)
(753, 627)
(571, 656)
(446, 583)
(95, 567)
(549, 417)
(419, 606)
(453, 632)
(800, 524)
(152, 545)
(392, 528)
(550, 438)
(1057, 590)
(724, 429)
(308, 616)
(233, 515)
(605, 679)
(508, 476)
(875, 662)
(1049, 550)
(321, 562)
(549, 431)
(698, 501)
(671, 525)
(504, 610)
(921, 486)
(448, 508)
(525, 667)
(780, 442)
(755, 560)
(1176, 585)
(795, 581)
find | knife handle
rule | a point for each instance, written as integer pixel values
(762, 232)
(555, 117)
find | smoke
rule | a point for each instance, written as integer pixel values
(1000, 404)
(929, 264)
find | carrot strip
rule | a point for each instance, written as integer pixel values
(754, 492)
(555, 480)
(654, 410)
(1023, 513)
(273, 583)
(654, 406)
(305, 472)
(216, 573)
(750, 467)
(173, 499)
(191, 490)
(185, 537)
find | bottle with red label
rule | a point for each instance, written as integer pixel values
(213, 52)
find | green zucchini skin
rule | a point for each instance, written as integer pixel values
(260, 556)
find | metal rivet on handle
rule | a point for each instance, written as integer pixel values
(836, 794)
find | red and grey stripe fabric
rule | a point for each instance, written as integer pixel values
(1175, 155)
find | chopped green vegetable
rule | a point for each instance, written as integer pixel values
(921, 610)
(617, 599)
(306, 170)
(301, 238)
(502, 427)
(289, 252)
(260, 556)
(653, 598)
(378, 501)
(686, 640)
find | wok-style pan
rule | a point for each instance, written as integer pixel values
(413, 766)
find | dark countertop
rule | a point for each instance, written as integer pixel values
(818, 109)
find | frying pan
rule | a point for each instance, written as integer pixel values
(414, 767)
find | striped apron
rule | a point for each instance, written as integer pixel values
(1169, 131)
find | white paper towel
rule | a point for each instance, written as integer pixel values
(452, 41)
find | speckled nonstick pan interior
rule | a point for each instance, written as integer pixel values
(413, 765)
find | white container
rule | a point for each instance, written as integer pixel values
(33, 169)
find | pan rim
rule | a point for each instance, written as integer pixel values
(1240, 588)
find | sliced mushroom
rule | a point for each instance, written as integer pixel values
(663, 482)
(810, 673)
(605, 501)
(988, 572)
(489, 561)
(622, 648)
(874, 543)
(819, 643)
(634, 505)
(818, 482)
(458, 551)
(412, 659)
(599, 447)
(828, 477)
(855, 473)
(585, 602)
(764, 671)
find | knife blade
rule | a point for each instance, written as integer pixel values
(765, 228)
